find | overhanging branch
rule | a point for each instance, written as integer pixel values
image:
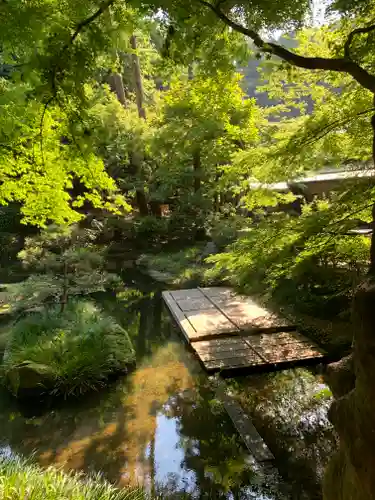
(352, 34)
(104, 6)
(80, 26)
(326, 129)
(342, 65)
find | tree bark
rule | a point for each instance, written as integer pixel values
(137, 78)
(138, 156)
(117, 87)
(372, 247)
(339, 64)
(197, 166)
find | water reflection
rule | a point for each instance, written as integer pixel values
(290, 410)
(160, 426)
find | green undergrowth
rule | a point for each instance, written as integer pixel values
(186, 266)
(3, 340)
(21, 480)
(65, 353)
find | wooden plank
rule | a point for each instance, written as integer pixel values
(284, 338)
(209, 322)
(250, 359)
(225, 341)
(217, 346)
(247, 315)
(204, 316)
(215, 350)
(226, 355)
(190, 293)
(195, 304)
(283, 357)
(250, 316)
(219, 292)
(244, 425)
(179, 316)
(286, 348)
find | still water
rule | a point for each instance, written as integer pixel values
(161, 426)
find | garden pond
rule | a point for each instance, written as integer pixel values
(162, 427)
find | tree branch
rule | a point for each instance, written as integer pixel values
(352, 34)
(342, 65)
(104, 6)
(323, 131)
(80, 26)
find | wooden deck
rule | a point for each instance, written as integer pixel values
(229, 332)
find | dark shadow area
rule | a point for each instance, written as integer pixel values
(289, 409)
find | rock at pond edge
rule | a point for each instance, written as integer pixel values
(29, 378)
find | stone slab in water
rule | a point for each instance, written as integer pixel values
(244, 425)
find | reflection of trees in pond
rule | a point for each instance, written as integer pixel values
(110, 431)
(106, 432)
(214, 451)
(141, 314)
(114, 433)
(290, 408)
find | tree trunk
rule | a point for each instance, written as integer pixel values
(137, 78)
(138, 156)
(350, 473)
(142, 202)
(372, 248)
(197, 166)
(190, 72)
(117, 87)
(64, 297)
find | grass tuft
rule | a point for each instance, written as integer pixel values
(21, 480)
(79, 348)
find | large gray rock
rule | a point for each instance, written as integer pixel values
(210, 249)
(29, 378)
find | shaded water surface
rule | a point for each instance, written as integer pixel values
(161, 425)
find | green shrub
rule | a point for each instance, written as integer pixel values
(225, 230)
(21, 480)
(150, 226)
(65, 353)
(65, 263)
(312, 261)
(185, 267)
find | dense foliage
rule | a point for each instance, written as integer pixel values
(137, 114)
(64, 262)
(141, 106)
(65, 353)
